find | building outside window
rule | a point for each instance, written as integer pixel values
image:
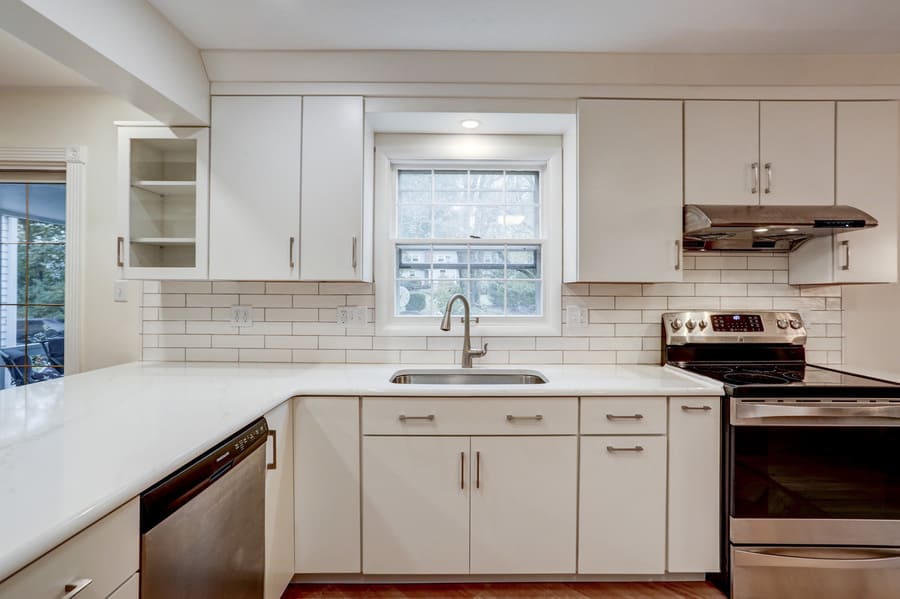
(32, 277)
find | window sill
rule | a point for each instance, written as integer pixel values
(432, 329)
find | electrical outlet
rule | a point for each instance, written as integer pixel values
(120, 291)
(576, 317)
(242, 316)
(353, 317)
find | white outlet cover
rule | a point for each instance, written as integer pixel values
(353, 317)
(242, 316)
(120, 291)
(576, 317)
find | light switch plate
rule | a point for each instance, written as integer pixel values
(353, 317)
(576, 317)
(120, 291)
(242, 316)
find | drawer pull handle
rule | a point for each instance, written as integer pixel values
(696, 408)
(404, 418)
(462, 470)
(612, 449)
(477, 469)
(536, 417)
(274, 464)
(74, 588)
(614, 417)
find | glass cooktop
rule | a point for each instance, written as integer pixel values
(791, 379)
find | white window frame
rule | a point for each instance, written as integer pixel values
(534, 152)
(72, 159)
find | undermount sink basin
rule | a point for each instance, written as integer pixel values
(468, 377)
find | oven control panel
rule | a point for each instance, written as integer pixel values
(703, 326)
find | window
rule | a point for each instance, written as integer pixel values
(32, 277)
(476, 227)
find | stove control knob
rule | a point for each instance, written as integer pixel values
(703, 324)
(796, 324)
(690, 324)
(676, 324)
(782, 323)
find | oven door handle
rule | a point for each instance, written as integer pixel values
(845, 558)
(748, 413)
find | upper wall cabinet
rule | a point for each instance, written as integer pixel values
(163, 183)
(628, 219)
(746, 152)
(866, 178)
(288, 196)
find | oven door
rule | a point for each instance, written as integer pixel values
(815, 473)
(814, 572)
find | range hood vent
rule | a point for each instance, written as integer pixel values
(766, 228)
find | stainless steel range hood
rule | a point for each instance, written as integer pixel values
(766, 228)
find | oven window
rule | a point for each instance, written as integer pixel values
(816, 472)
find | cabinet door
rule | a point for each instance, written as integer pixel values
(721, 152)
(630, 191)
(326, 485)
(694, 484)
(254, 216)
(416, 505)
(867, 179)
(523, 505)
(797, 152)
(622, 524)
(130, 590)
(332, 196)
(279, 501)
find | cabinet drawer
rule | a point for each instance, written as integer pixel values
(623, 416)
(470, 416)
(106, 553)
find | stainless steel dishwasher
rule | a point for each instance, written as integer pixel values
(203, 527)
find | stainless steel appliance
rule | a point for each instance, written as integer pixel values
(766, 228)
(203, 528)
(812, 480)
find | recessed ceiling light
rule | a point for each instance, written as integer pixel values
(470, 124)
(760, 230)
(791, 230)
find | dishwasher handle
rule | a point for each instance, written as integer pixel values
(165, 497)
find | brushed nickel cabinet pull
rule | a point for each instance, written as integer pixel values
(696, 408)
(120, 251)
(274, 464)
(770, 177)
(291, 252)
(614, 417)
(477, 469)
(74, 588)
(678, 254)
(353, 252)
(404, 418)
(612, 449)
(846, 246)
(462, 470)
(536, 417)
(755, 189)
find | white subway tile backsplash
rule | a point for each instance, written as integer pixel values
(294, 321)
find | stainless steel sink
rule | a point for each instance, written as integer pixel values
(468, 377)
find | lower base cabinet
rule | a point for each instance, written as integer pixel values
(131, 589)
(279, 502)
(623, 505)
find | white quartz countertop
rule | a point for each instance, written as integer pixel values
(884, 374)
(74, 449)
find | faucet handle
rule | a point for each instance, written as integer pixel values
(480, 352)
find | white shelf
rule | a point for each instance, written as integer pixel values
(164, 240)
(165, 188)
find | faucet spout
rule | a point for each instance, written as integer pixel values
(467, 352)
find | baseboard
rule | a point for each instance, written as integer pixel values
(477, 578)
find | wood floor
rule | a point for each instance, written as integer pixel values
(581, 590)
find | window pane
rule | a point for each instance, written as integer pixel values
(9, 325)
(415, 222)
(415, 197)
(12, 273)
(523, 298)
(453, 222)
(46, 273)
(450, 180)
(442, 291)
(413, 298)
(12, 212)
(522, 181)
(487, 298)
(47, 212)
(415, 180)
(489, 180)
(521, 222)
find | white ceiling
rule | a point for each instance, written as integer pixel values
(715, 26)
(23, 66)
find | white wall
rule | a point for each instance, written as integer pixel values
(56, 118)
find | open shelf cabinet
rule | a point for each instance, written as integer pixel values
(164, 186)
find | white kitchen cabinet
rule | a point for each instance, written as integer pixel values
(163, 183)
(279, 501)
(254, 219)
(866, 162)
(523, 505)
(622, 519)
(130, 590)
(326, 485)
(694, 484)
(796, 153)
(416, 505)
(629, 179)
(100, 559)
(721, 152)
(335, 199)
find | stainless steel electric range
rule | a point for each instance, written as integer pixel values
(811, 460)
